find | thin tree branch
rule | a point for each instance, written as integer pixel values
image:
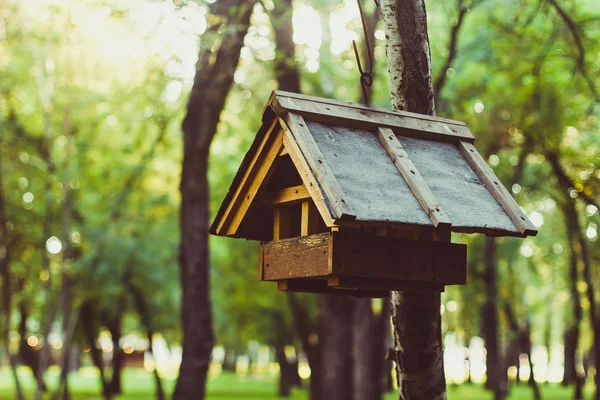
(452, 46)
(580, 61)
(565, 180)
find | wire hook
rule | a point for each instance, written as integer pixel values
(366, 77)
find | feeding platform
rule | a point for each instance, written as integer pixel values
(358, 200)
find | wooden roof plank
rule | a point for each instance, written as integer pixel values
(226, 215)
(497, 189)
(250, 187)
(413, 178)
(368, 118)
(309, 180)
(322, 100)
(316, 161)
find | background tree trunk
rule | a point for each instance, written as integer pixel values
(336, 347)
(416, 318)
(495, 380)
(368, 351)
(7, 289)
(213, 79)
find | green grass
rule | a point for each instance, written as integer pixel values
(138, 384)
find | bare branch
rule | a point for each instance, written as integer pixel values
(580, 62)
(565, 180)
(454, 31)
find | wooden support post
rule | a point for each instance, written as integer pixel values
(311, 219)
(281, 223)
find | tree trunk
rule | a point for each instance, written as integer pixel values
(495, 379)
(7, 288)
(114, 327)
(526, 334)
(67, 253)
(364, 341)
(285, 384)
(368, 351)
(141, 307)
(90, 332)
(577, 251)
(311, 348)
(49, 303)
(416, 318)
(388, 343)
(336, 347)
(214, 76)
(229, 360)
(28, 355)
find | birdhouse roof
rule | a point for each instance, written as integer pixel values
(367, 166)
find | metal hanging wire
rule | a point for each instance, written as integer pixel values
(366, 77)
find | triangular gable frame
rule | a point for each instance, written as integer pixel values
(284, 130)
(275, 138)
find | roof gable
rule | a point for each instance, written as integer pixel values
(372, 166)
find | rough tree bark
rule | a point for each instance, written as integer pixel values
(416, 317)
(214, 76)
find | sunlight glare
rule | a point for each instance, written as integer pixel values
(53, 245)
(307, 26)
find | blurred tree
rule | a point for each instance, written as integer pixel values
(214, 76)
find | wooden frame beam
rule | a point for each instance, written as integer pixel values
(255, 175)
(320, 286)
(286, 196)
(349, 282)
(318, 166)
(497, 189)
(413, 178)
(309, 180)
(357, 116)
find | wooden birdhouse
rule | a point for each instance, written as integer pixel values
(351, 199)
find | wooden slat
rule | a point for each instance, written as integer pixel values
(305, 218)
(320, 286)
(260, 262)
(288, 195)
(497, 189)
(251, 181)
(349, 282)
(367, 118)
(311, 220)
(413, 178)
(316, 161)
(309, 180)
(380, 257)
(322, 100)
(300, 257)
(281, 223)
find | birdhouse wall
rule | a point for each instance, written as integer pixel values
(355, 256)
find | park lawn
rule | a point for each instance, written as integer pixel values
(138, 384)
